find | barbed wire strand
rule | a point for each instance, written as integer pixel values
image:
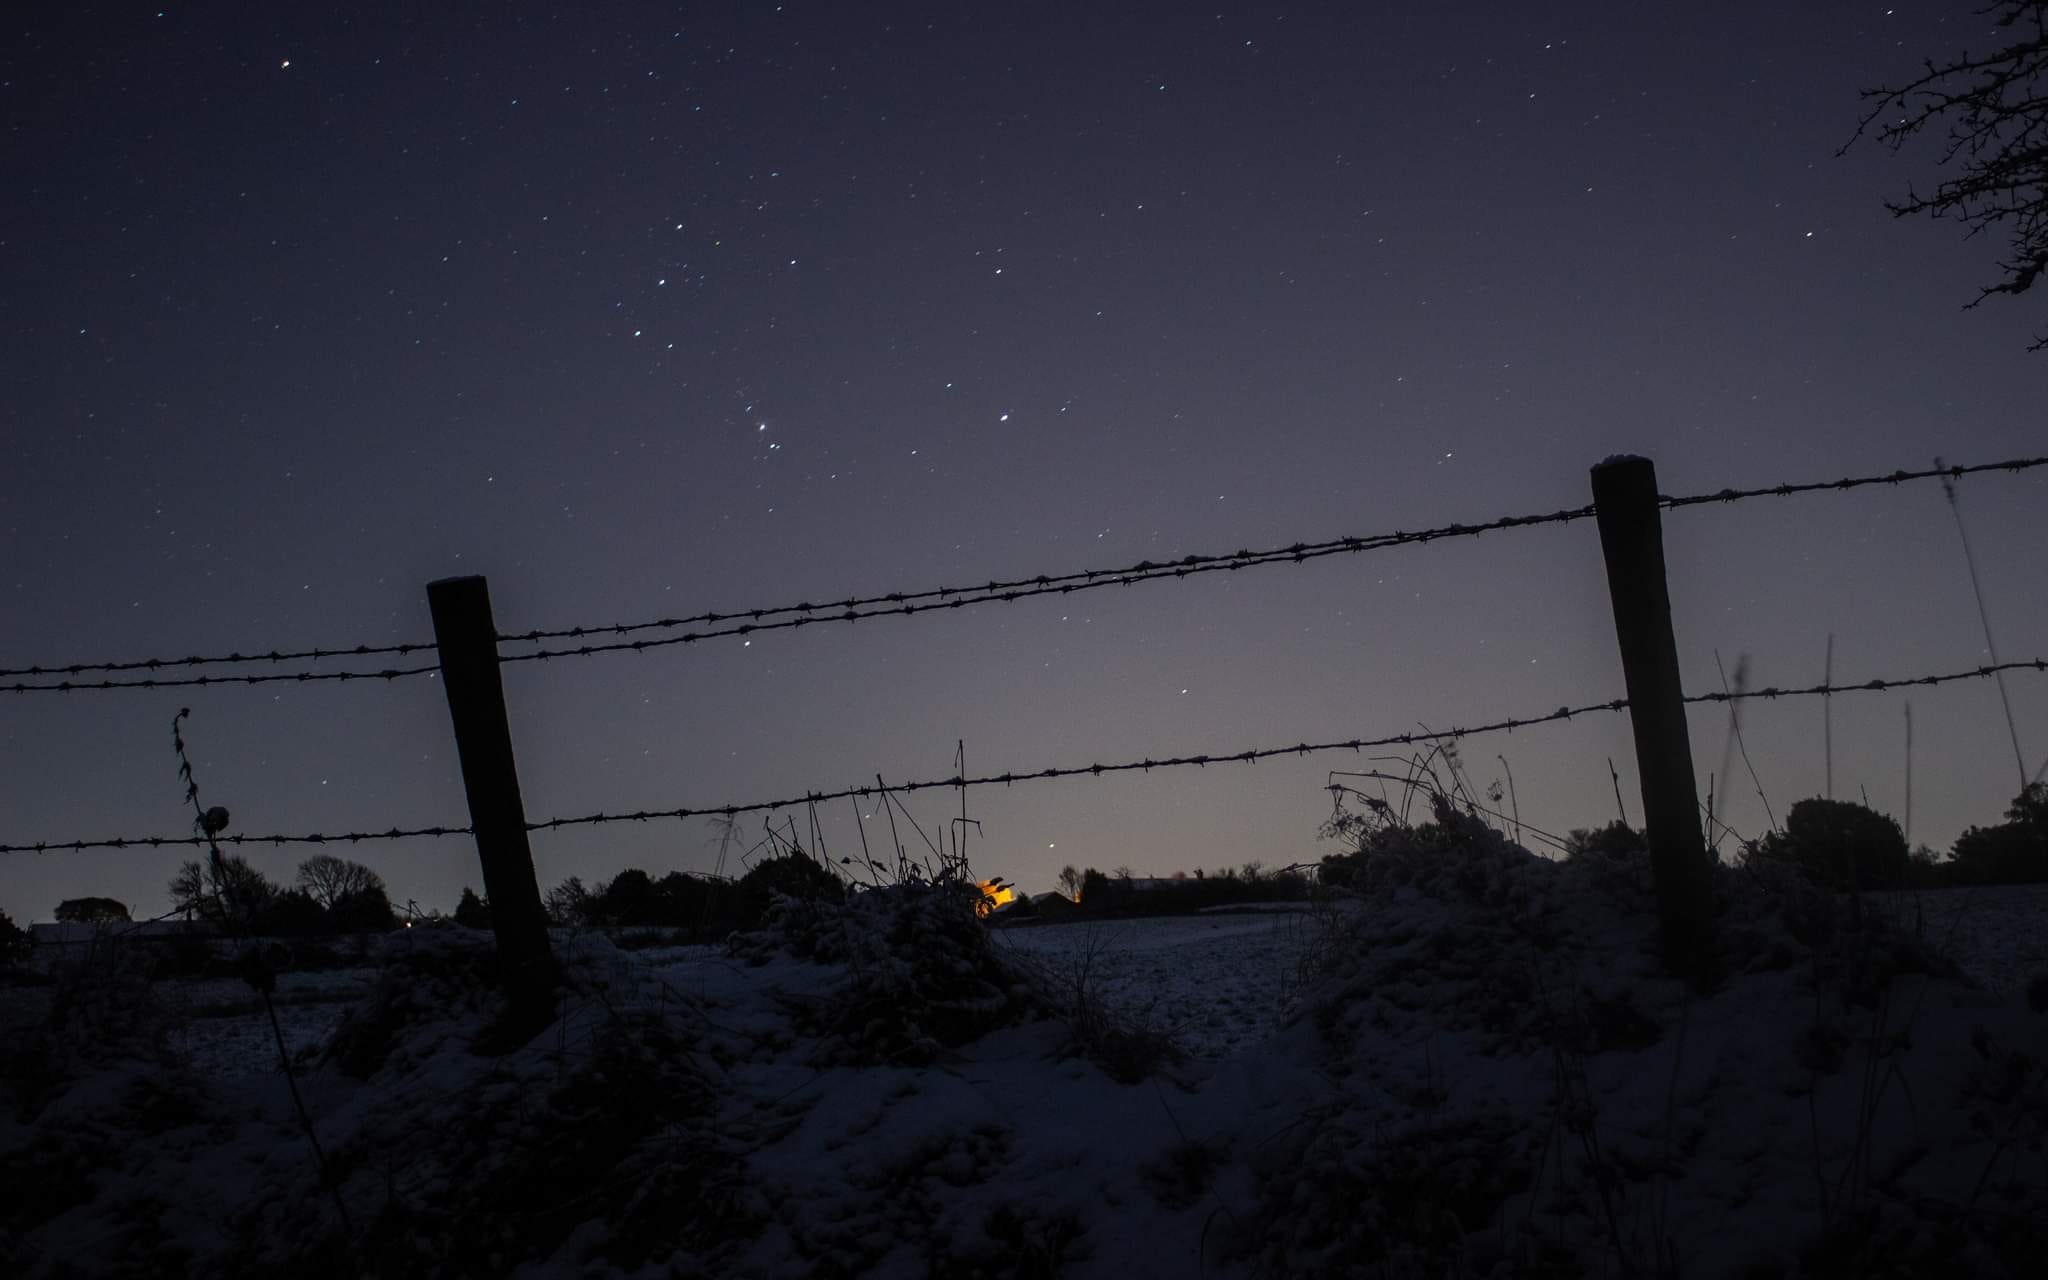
(151, 682)
(1008, 592)
(1059, 771)
(1076, 580)
(1854, 482)
(835, 611)
(224, 659)
(856, 608)
(1071, 771)
(174, 842)
(1263, 753)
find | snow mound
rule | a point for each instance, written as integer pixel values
(1519, 1089)
(921, 973)
(1487, 1073)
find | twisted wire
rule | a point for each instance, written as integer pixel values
(894, 603)
(956, 781)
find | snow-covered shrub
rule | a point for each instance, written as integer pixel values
(71, 1158)
(598, 1144)
(1518, 1086)
(430, 980)
(1125, 1043)
(793, 875)
(1400, 1200)
(103, 1010)
(920, 972)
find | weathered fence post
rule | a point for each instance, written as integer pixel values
(468, 640)
(1632, 541)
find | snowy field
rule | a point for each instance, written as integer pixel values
(1998, 935)
(1215, 982)
(1485, 1071)
(218, 1026)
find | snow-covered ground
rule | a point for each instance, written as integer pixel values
(1999, 935)
(1215, 983)
(1479, 1069)
(219, 1027)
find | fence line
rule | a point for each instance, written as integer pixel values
(856, 608)
(958, 781)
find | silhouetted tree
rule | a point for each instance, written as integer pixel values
(15, 942)
(1069, 881)
(1992, 109)
(569, 903)
(92, 911)
(628, 900)
(364, 911)
(471, 911)
(1094, 891)
(330, 879)
(223, 893)
(290, 914)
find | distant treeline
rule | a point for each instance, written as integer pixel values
(1123, 894)
(1837, 843)
(1853, 846)
(689, 908)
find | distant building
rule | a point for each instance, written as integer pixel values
(73, 935)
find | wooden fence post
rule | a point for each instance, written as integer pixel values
(468, 640)
(1632, 541)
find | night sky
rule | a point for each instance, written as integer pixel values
(648, 310)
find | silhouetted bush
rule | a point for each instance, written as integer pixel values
(2013, 852)
(1617, 841)
(1840, 844)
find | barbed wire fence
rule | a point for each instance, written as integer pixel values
(745, 622)
(469, 646)
(1008, 778)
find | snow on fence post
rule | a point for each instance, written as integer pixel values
(1632, 541)
(468, 641)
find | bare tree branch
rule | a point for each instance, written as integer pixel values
(1992, 111)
